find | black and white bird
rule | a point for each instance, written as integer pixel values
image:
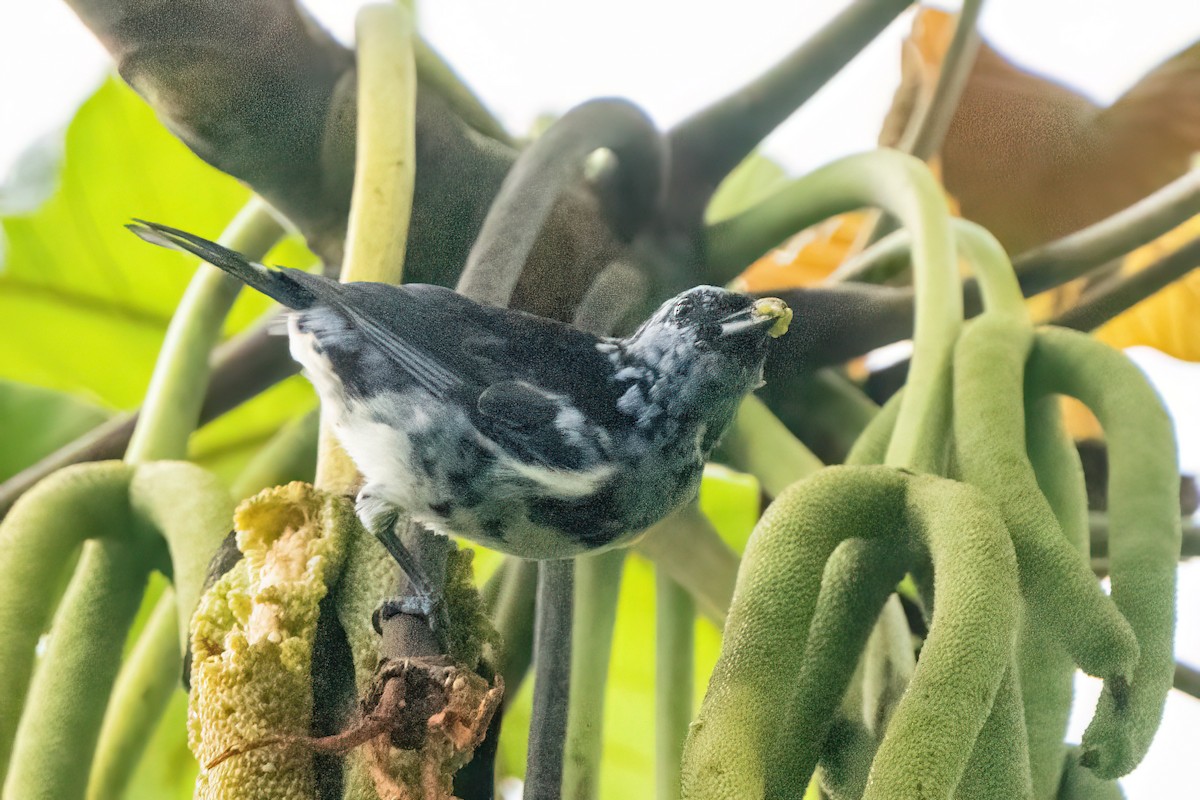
(518, 432)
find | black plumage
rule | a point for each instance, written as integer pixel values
(520, 432)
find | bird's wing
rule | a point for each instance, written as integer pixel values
(384, 338)
(536, 425)
(537, 388)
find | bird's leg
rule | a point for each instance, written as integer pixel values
(382, 519)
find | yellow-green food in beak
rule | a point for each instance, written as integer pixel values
(776, 309)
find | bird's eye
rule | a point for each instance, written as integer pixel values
(683, 308)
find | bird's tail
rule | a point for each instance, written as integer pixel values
(276, 284)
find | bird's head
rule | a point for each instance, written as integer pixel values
(710, 344)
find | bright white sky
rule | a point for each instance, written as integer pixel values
(525, 57)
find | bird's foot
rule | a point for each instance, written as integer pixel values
(423, 600)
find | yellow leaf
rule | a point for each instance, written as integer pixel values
(1170, 319)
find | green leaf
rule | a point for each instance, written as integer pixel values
(84, 304)
(36, 421)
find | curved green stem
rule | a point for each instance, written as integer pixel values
(859, 577)
(988, 259)
(706, 146)
(903, 186)
(67, 701)
(555, 162)
(143, 688)
(1143, 498)
(992, 268)
(1125, 291)
(597, 588)
(172, 406)
(1059, 588)
(435, 71)
(928, 743)
(674, 648)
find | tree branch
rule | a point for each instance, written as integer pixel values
(706, 146)
(242, 368)
(1120, 293)
(257, 89)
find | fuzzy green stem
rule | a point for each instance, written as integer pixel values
(172, 407)
(57, 735)
(1046, 670)
(674, 647)
(143, 688)
(999, 764)
(1143, 505)
(859, 576)
(1060, 590)
(43, 528)
(597, 588)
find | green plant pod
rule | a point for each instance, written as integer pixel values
(846, 759)
(1060, 590)
(47, 524)
(252, 639)
(971, 637)
(1046, 670)
(1144, 543)
(999, 765)
(57, 736)
(762, 651)
(858, 579)
(934, 727)
(1080, 783)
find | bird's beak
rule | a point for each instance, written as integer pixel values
(769, 312)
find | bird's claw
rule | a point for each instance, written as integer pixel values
(425, 606)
